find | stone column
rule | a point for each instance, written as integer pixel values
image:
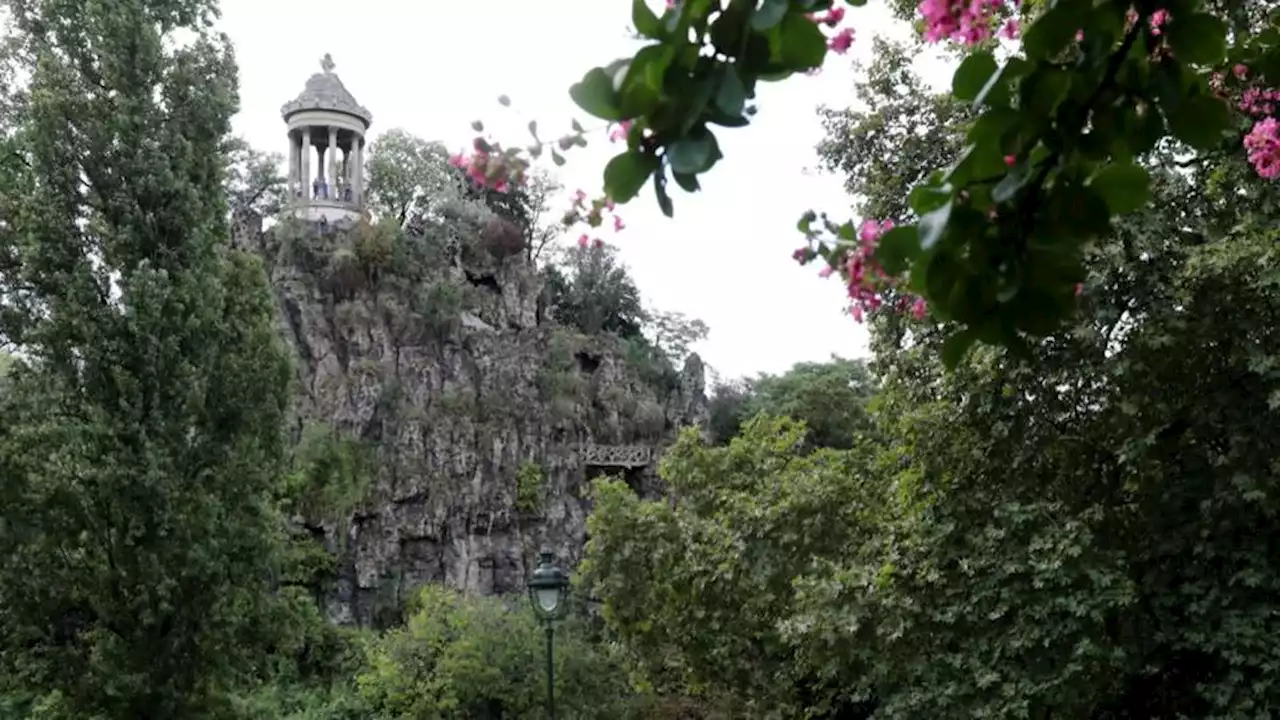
(358, 183)
(305, 148)
(333, 161)
(295, 165)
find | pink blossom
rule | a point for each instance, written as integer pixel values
(597, 244)
(919, 308)
(1263, 146)
(865, 280)
(1158, 19)
(619, 131)
(617, 223)
(584, 241)
(964, 21)
(1241, 71)
(579, 197)
(841, 41)
(1259, 101)
(800, 254)
(1080, 35)
(1010, 160)
(1010, 29)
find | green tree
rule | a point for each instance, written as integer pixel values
(697, 588)
(592, 291)
(253, 179)
(142, 439)
(407, 176)
(673, 333)
(727, 407)
(831, 398)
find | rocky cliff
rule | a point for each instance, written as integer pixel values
(479, 417)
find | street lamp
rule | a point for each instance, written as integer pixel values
(548, 589)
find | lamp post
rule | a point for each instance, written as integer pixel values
(548, 588)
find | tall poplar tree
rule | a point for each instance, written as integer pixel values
(140, 431)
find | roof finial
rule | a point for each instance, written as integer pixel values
(326, 63)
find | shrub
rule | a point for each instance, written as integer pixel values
(531, 487)
(477, 658)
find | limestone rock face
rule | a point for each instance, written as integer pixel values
(459, 384)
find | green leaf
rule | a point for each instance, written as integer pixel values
(1036, 312)
(1201, 122)
(768, 15)
(694, 153)
(595, 95)
(806, 221)
(802, 44)
(995, 93)
(641, 88)
(972, 75)
(1044, 90)
(717, 117)
(731, 93)
(956, 346)
(660, 189)
(1053, 30)
(1073, 212)
(627, 172)
(1126, 187)
(932, 225)
(689, 183)
(1199, 38)
(557, 158)
(577, 126)
(646, 20)
(926, 198)
(989, 129)
(1010, 184)
(898, 248)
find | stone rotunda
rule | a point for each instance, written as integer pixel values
(326, 126)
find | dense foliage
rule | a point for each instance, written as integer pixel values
(140, 430)
(1085, 532)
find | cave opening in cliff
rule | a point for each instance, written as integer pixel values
(487, 282)
(587, 362)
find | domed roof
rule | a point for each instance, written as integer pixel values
(324, 91)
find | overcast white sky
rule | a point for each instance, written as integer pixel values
(432, 67)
